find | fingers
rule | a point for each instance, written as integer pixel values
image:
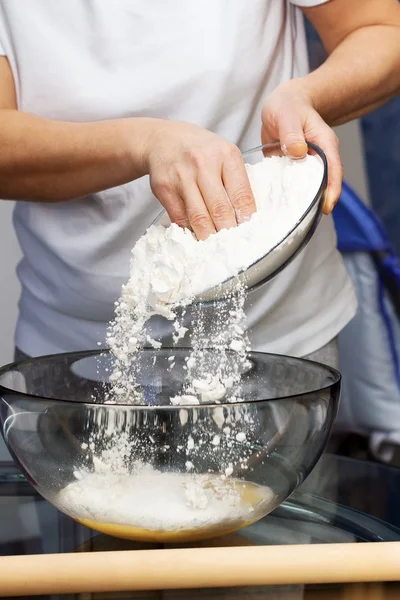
(237, 186)
(216, 200)
(225, 187)
(329, 143)
(207, 191)
(185, 205)
(167, 194)
(292, 119)
(291, 135)
(200, 219)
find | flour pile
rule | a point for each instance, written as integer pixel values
(176, 471)
(169, 267)
(166, 502)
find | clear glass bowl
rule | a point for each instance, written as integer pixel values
(161, 472)
(268, 266)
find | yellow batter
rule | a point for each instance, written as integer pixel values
(254, 500)
(128, 532)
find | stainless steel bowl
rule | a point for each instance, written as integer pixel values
(268, 266)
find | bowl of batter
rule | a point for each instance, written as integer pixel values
(160, 470)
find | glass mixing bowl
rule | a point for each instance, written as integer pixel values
(161, 472)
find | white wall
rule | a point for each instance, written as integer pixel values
(9, 286)
(9, 290)
(352, 157)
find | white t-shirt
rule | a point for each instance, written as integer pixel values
(204, 61)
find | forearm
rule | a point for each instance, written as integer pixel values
(45, 160)
(361, 73)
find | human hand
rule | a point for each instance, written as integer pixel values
(198, 177)
(289, 116)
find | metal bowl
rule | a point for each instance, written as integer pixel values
(268, 266)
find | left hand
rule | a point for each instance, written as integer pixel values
(289, 116)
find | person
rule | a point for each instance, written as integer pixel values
(108, 109)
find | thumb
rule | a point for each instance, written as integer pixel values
(291, 135)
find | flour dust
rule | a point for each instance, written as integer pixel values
(183, 468)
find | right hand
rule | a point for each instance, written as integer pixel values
(199, 178)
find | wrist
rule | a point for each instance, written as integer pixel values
(139, 136)
(298, 88)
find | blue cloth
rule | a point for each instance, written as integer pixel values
(360, 234)
(358, 229)
(381, 133)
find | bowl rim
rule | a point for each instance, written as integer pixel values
(82, 354)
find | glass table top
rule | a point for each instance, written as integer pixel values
(343, 500)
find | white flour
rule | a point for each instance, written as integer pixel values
(169, 267)
(175, 471)
(158, 501)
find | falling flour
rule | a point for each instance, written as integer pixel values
(169, 267)
(147, 474)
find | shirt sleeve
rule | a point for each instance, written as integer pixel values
(2, 51)
(308, 3)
